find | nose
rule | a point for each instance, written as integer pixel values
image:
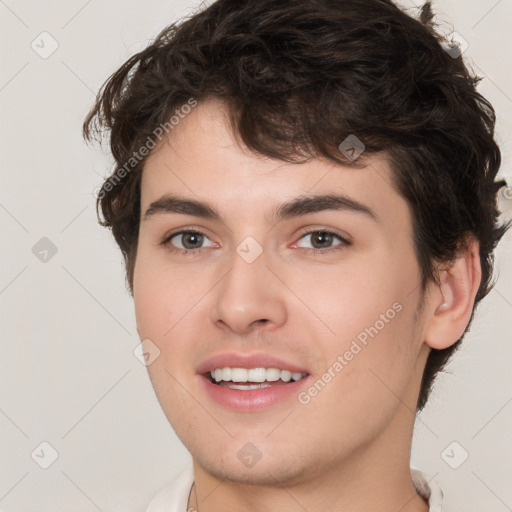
(249, 296)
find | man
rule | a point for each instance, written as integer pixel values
(304, 196)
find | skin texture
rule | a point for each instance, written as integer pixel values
(348, 448)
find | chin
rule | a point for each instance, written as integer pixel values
(269, 473)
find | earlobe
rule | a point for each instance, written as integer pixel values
(452, 301)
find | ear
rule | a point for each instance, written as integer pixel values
(452, 301)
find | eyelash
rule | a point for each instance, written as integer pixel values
(195, 252)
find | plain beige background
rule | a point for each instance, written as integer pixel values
(68, 374)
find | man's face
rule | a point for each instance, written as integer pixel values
(252, 284)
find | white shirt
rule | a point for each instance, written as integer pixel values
(174, 497)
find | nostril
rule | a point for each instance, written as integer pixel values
(261, 321)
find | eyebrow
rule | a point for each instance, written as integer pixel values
(297, 207)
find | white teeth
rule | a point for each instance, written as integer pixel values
(226, 373)
(254, 375)
(238, 374)
(273, 374)
(247, 387)
(286, 375)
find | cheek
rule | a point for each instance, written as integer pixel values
(167, 304)
(154, 299)
(367, 372)
(367, 318)
(351, 297)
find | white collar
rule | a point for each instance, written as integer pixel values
(174, 497)
(428, 488)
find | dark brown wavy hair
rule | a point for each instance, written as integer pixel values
(298, 77)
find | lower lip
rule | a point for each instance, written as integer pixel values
(252, 399)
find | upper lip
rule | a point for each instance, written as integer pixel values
(251, 360)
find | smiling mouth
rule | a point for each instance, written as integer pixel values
(257, 378)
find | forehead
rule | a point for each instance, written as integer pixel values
(203, 159)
